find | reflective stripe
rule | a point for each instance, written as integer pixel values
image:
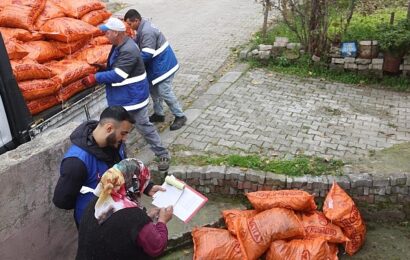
(166, 75)
(85, 189)
(148, 50)
(137, 106)
(163, 47)
(122, 73)
(130, 80)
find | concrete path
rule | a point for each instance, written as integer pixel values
(258, 111)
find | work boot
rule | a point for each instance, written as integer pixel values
(163, 163)
(154, 118)
(178, 123)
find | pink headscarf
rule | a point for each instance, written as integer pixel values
(120, 187)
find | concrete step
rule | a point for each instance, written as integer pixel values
(210, 215)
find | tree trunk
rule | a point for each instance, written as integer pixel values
(408, 12)
(265, 18)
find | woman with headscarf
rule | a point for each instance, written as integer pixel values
(115, 225)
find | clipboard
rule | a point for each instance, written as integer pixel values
(185, 199)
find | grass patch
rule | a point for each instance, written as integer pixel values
(364, 27)
(298, 166)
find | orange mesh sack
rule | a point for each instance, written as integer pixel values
(255, 234)
(69, 71)
(28, 69)
(66, 29)
(69, 47)
(42, 51)
(291, 199)
(78, 8)
(342, 211)
(4, 3)
(38, 88)
(16, 33)
(215, 244)
(21, 14)
(15, 49)
(100, 40)
(39, 105)
(96, 17)
(70, 90)
(309, 249)
(318, 226)
(50, 11)
(232, 215)
(95, 55)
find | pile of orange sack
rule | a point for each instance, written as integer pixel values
(52, 45)
(285, 224)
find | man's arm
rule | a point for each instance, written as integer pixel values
(121, 68)
(72, 177)
(148, 46)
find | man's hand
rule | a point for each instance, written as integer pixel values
(89, 80)
(154, 189)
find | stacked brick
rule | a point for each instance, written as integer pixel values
(368, 188)
(362, 66)
(265, 52)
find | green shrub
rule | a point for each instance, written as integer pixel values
(364, 27)
(394, 39)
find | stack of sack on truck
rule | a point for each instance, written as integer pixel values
(285, 224)
(52, 45)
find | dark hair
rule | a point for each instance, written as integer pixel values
(117, 113)
(133, 15)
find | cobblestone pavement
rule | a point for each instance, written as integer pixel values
(275, 114)
(201, 32)
(258, 111)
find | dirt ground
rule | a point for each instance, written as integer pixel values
(390, 160)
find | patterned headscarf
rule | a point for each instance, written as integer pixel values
(120, 187)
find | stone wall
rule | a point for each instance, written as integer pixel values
(31, 227)
(377, 195)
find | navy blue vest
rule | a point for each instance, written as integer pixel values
(95, 169)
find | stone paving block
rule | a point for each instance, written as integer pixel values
(179, 172)
(404, 190)
(233, 191)
(194, 172)
(378, 190)
(255, 176)
(263, 47)
(349, 60)
(230, 77)
(244, 53)
(299, 182)
(217, 172)
(363, 61)
(319, 182)
(350, 66)
(277, 180)
(360, 180)
(377, 61)
(380, 180)
(343, 181)
(408, 179)
(264, 55)
(217, 88)
(289, 182)
(204, 101)
(234, 173)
